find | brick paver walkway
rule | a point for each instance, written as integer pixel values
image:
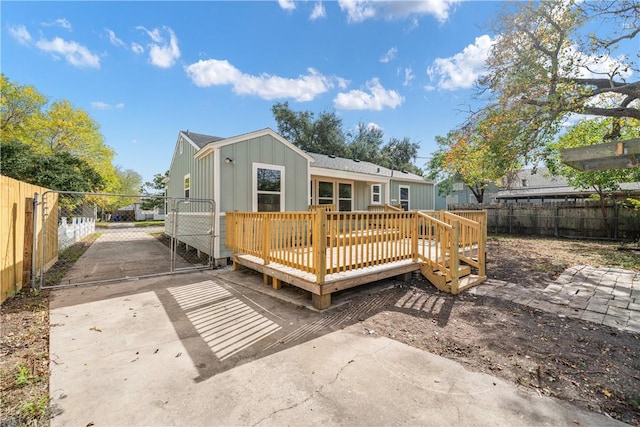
(606, 296)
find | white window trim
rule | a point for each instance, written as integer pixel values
(254, 183)
(335, 199)
(181, 145)
(337, 194)
(379, 186)
(184, 189)
(400, 187)
(316, 185)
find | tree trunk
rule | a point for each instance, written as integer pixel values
(478, 193)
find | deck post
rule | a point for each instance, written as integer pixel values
(266, 238)
(414, 235)
(455, 257)
(320, 245)
(482, 245)
(276, 283)
(321, 302)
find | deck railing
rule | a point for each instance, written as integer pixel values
(366, 239)
(473, 236)
(327, 208)
(324, 242)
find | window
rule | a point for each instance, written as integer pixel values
(269, 188)
(404, 197)
(325, 193)
(187, 185)
(181, 145)
(344, 197)
(376, 194)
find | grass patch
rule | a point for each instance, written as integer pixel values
(148, 223)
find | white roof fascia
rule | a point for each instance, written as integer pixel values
(186, 136)
(354, 176)
(207, 149)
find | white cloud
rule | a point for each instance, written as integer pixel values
(462, 69)
(136, 48)
(99, 105)
(60, 22)
(162, 54)
(357, 10)
(389, 56)
(375, 99)
(215, 72)
(75, 54)
(287, 4)
(408, 76)
(113, 38)
(372, 125)
(318, 11)
(361, 10)
(21, 34)
(583, 65)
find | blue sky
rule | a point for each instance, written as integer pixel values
(145, 70)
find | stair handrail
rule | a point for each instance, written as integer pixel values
(447, 261)
(472, 238)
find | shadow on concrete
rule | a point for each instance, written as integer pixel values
(226, 318)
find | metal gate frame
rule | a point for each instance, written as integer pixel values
(38, 275)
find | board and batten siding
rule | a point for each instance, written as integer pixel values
(236, 178)
(362, 190)
(421, 195)
(200, 171)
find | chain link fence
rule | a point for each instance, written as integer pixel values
(96, 238)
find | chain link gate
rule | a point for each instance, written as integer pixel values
(90, 238)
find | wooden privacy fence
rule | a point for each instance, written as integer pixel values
(560, 219)
(16, 231)
(324, 242)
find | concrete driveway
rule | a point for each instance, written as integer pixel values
(206, 348)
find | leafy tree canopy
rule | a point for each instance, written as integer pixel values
(57, 171)
(546, 65)
(550, 61)
(53, 129)
(324, 135)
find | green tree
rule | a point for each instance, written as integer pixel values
(604, 183)
(479, 153)
(20, 106)
(322, 135)
(364, 143)
(53, 129)
(544, 66)
(400, 155)
(156, 189)
(57, 171)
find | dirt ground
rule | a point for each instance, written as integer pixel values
(592, 366)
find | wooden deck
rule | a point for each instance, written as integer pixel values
(358, 248)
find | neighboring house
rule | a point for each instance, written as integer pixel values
(462, 194)
(263, 172)
(542, 187)
(525, 187)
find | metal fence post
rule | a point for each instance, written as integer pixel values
(34, 247)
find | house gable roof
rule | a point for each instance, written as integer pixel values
(199, 140)
(323, 161)
(221, 142)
